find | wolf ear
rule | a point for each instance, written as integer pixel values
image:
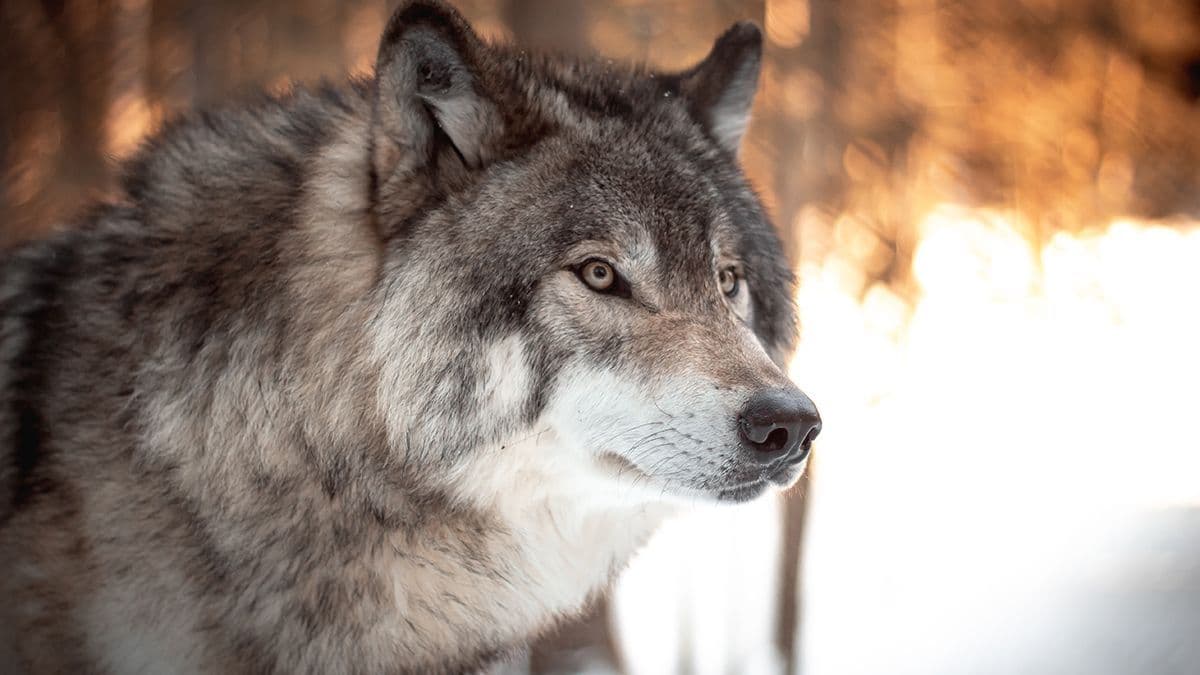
(720, 89)
(428, 90)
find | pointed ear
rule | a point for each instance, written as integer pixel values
(720, 89)
(428, 91)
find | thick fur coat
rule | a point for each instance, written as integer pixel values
(337, 385)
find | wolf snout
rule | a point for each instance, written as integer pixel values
(777, 423)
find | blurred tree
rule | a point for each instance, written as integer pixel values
(56, 75)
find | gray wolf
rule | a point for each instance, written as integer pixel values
(393, 375)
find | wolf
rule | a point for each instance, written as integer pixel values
(391, 375)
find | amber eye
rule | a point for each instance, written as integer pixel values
(728, 278)
(598, 275)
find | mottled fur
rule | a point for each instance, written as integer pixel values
(322, 392)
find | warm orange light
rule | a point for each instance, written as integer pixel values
(787, 22)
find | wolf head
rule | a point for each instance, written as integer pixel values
(574, 254)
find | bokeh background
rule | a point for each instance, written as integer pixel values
(994, 211)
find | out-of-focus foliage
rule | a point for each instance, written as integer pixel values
(1068, 111)
(871, 110)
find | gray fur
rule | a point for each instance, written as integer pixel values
(257, 408)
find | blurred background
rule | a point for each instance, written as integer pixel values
(994, 210)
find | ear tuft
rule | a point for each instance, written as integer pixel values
(720, 89)
(427, 81)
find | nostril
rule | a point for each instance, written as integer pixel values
(755, 433)
(775, 441)
(766, 437)
(812, 434)
(779, 423)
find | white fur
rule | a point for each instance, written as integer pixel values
(679, 434)
(507, 383)
(575, 524)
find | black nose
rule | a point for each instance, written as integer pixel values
(779, 423)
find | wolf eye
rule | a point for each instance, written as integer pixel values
(598, 275)
(601, 276)
(729, 280)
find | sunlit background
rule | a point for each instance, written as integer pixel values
(994, 209)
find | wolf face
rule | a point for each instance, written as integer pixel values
(614, 281)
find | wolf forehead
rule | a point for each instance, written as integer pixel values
(668, 218)
(620, 194)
